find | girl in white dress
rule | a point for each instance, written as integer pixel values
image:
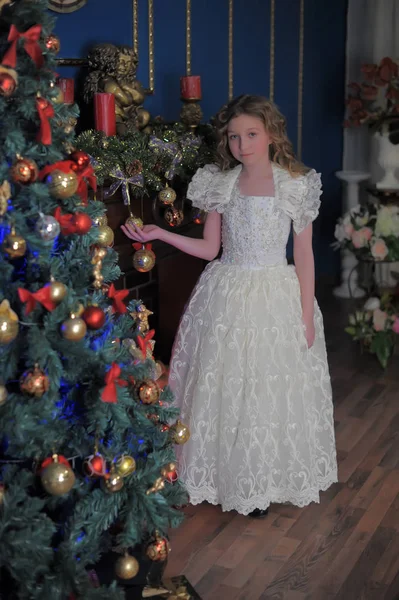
(249, 367)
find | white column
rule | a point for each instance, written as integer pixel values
(349, 277)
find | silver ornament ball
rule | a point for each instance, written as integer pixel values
(47, 227)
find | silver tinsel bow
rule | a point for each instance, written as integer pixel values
(122, 180)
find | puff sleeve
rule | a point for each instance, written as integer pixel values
(207, 189)
(301, 200)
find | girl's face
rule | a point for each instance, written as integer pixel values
(248, 139)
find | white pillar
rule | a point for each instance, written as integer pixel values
(349, 277)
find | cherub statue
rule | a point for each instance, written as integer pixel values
(113, 69)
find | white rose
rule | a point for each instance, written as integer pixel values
(372, 304)
(339, 232)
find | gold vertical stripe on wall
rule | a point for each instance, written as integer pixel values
(231, 91)
(188, 37)
(300, 78)
(135, 27)
(272, 48)
(151, 44)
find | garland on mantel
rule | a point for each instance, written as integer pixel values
(148, 162)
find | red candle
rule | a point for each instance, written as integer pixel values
(67, 85)
(190, 87)
(104, 113)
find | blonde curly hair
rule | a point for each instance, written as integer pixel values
(280, 152)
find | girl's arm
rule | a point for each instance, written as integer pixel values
(207, 248)
(304, 264)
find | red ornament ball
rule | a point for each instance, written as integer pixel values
(94, 317)
(81, 160)
(95, 466)
(7, 84)
(82, 222)
(24, 170)
(53, 43)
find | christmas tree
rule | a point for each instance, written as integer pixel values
(86, 434)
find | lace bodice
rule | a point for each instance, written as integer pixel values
(255, 229)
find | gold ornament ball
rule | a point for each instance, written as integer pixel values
(126, 567)
(167, 196)
(62, 185)
(105, 236)
(58, 291)
(53, 43)
(144, 260)
(57, 479)
(24, 170)
(74, 329)
(34, 382)
(158, 550)
(100, 221)
(125, 465)
(133, 220)
(59, 96)
(3, 394)
(173, 216)
(179, 433)
(113, 483)
(8, 327)
(148, 391)
(14, 245)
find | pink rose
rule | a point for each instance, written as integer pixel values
(348, 230)
(361, 237)
(395, 326)
(379, 319)
(379, 249)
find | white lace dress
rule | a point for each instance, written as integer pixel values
(257, 400)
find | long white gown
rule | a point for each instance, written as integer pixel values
(257, 400)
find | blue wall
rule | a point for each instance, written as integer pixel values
(324, 64)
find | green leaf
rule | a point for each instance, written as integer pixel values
(350, 330)
(382, 347)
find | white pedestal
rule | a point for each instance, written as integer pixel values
(349, 277)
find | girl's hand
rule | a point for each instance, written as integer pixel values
(310, 332)
(146, 234)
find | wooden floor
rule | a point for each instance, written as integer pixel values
(346, 547)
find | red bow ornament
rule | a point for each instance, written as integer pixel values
(31, 298)
(86, 176)
(61, 459)
(145, 342)
(62, 165)
(138, 246)
(67, 222)
(117, 297)
(109, 393)
(46, 112)
(31, 44)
